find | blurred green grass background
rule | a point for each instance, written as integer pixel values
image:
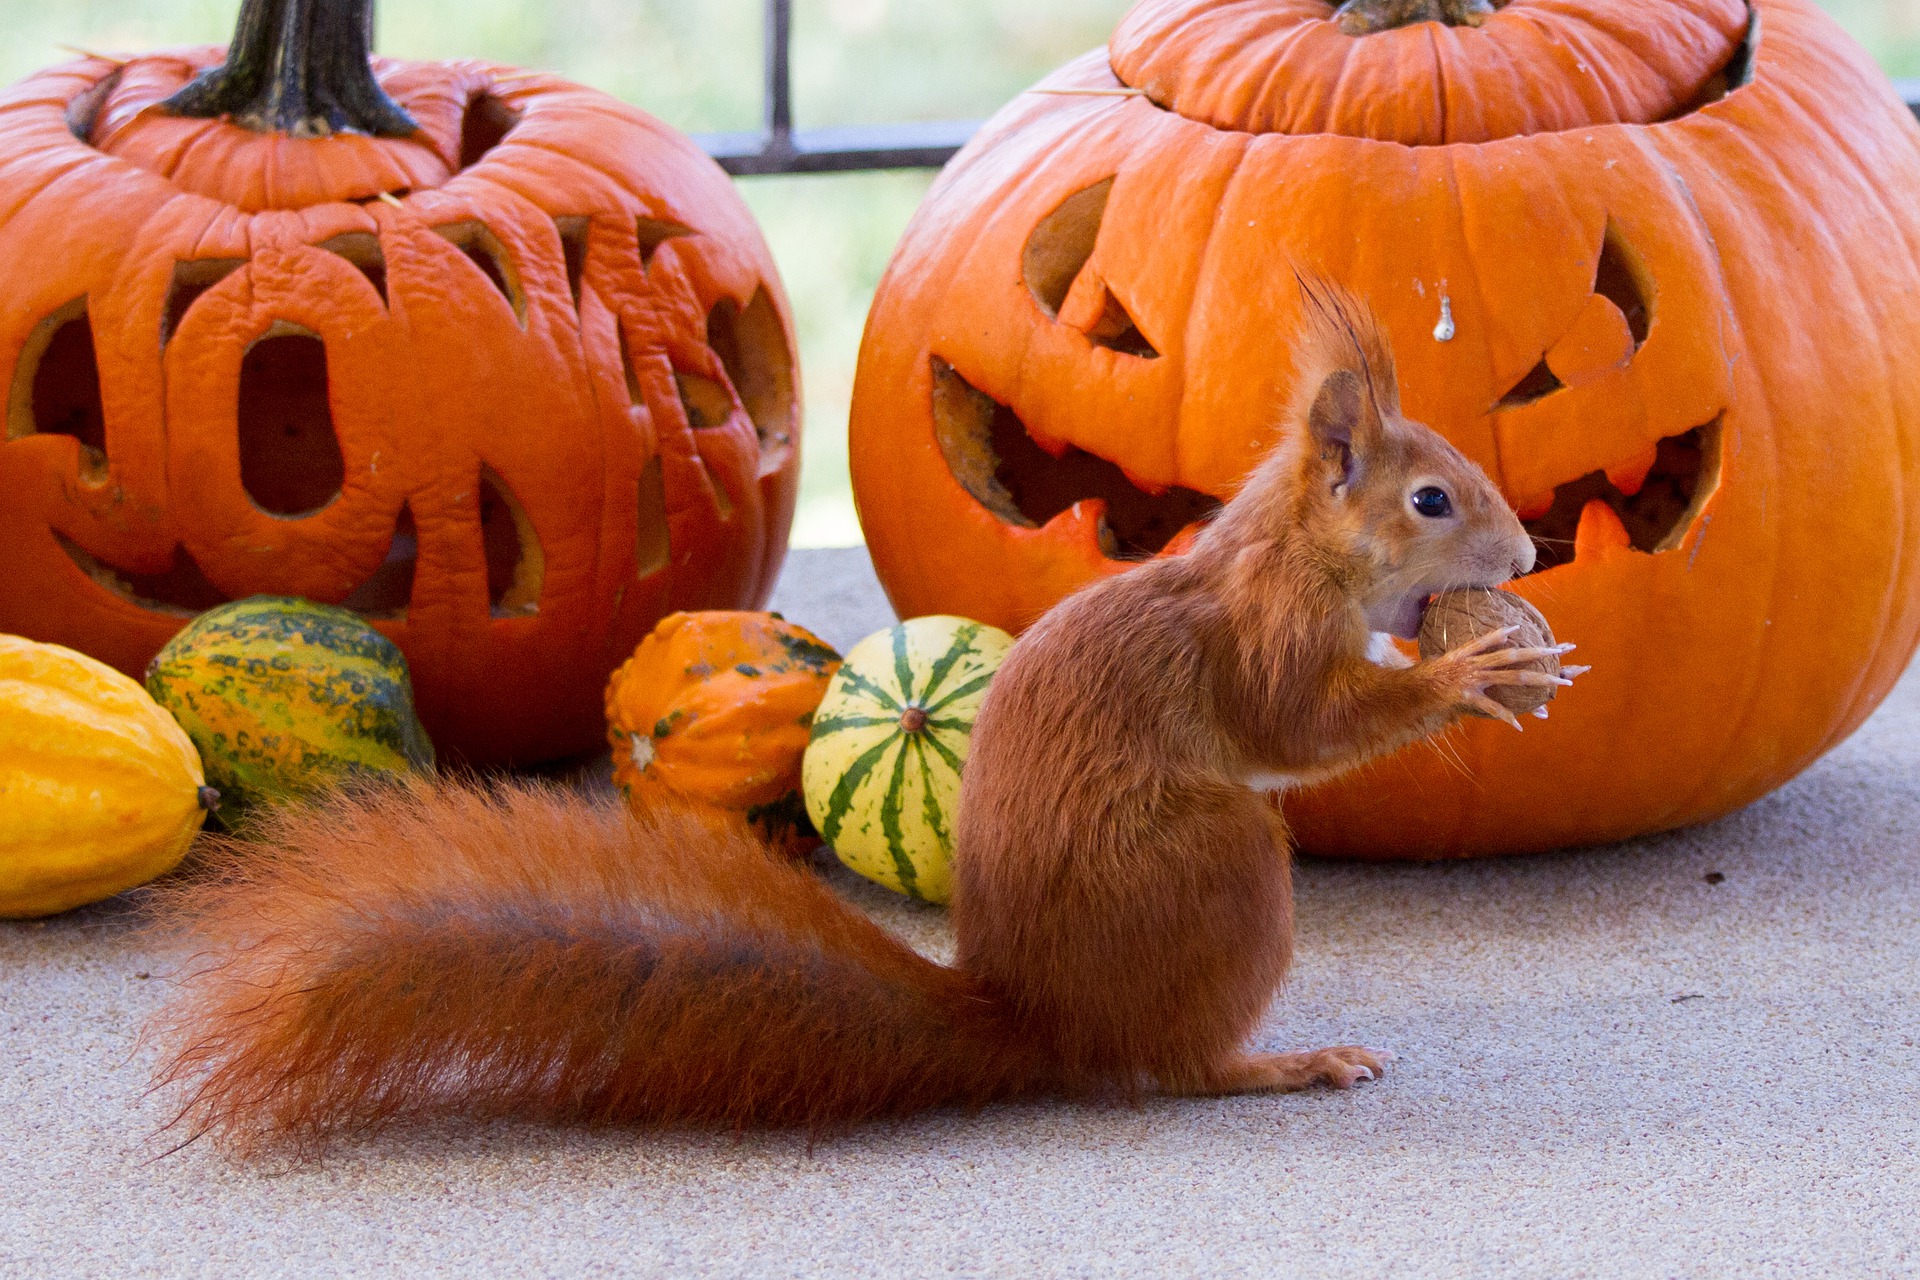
(697, 65)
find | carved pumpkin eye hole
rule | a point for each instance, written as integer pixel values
(484, 250)
(1619, 281)
(516, 564)
(191, 279)
(1597, 340)
(653, 541)
(708, 403)
(1054, 265)
(56, 387)
(290, 460)
(362, 249)
(994, 457)
(573, 247)
(654, 232)
(387, 593)
(1539, 383)
(752, 345)
(1061, 245)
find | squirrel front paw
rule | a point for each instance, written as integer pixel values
(1469, 673)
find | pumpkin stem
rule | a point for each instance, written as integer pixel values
(1364, 17)
(298, 67)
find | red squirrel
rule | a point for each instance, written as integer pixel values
(1122, 901)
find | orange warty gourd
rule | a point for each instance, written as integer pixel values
(494, 360)
(717, 707)
(1652, 263)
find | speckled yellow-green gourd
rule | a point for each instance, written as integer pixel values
(882, 770)
(99, 789)
(286, 698)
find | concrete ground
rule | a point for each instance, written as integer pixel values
(1692, 1055)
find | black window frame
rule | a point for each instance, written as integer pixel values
(778, 147)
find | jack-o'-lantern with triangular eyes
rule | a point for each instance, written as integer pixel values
(1652, 263)
(497, 361)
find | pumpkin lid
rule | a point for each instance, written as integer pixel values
(254, 170)
(1429, 72)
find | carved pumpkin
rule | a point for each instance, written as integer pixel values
(1650, 262)
(513, 384)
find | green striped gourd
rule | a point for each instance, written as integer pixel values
(882, 770)
(286, 698)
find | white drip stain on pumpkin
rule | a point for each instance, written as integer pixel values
(1443, 332)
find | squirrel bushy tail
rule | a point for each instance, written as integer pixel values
(514, 950)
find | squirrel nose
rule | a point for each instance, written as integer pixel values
(1523, 561)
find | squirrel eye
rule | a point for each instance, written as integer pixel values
(1432, 503)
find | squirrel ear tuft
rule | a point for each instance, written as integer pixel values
(1339, 412)
(1337, 408)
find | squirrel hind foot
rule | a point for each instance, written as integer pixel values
(1341, 1067)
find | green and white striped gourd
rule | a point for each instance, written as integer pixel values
(882, 770)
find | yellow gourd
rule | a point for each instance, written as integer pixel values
(99, 789)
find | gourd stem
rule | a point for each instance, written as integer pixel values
(298, 67)
(1365, 17)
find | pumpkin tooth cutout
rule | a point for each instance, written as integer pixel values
(182, 590)
(1656, 513)
(484, 250)
(56, 388)
(990, 452)
(290, 459)
(191, 279)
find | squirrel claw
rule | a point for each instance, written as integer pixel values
(1540, 712)
(1487, 707)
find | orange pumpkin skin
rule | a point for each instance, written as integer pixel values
(1754, 235)
(530, 473)
(717, 707)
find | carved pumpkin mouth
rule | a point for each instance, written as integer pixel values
(516, 568)
(1028, 480)
(1648, 505)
